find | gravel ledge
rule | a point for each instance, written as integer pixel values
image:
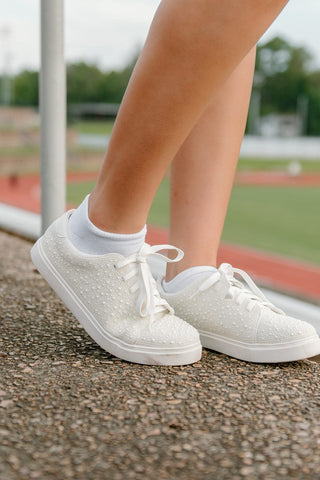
(71, 411)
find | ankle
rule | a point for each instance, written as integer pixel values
(88, 238)
(107, 218)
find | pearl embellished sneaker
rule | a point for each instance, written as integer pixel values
(241, 322)
(116, 300)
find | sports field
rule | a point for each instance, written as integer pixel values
(278, 219)
(278, 215)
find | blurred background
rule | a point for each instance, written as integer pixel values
(275, 204)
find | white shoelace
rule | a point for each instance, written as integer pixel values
(248, 298)
(149, 301)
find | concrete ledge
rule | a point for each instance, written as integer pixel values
(69, 410)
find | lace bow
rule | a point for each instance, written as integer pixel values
(149, 301)
(250, 297)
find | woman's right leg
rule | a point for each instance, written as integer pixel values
(192, 48)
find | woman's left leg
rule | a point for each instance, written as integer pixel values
(202, 172)
(231, 318)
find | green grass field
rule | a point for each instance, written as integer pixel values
(281, 164)
(283, 220)
(94, 127)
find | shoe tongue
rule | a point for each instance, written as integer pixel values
(160, 315)
(227, 269)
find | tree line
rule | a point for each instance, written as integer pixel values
(85, 83)
(283, 75)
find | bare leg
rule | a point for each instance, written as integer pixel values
(203, 170)
(192, 48)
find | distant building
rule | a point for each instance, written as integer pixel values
(97, 111)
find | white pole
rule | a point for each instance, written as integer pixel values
(52, 112)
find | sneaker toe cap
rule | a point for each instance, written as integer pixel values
(284, 329)
(173, 330)
(167, 332)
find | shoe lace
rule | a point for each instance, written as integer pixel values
(149, 301)
(248, 297)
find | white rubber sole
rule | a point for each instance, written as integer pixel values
(262, 353)
(132, 353)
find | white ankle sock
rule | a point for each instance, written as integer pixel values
(185, 278)
(88, 238)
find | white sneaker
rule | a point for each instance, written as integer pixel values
(116, 300)
(239, 322)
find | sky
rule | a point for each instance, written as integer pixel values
(110, 32)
